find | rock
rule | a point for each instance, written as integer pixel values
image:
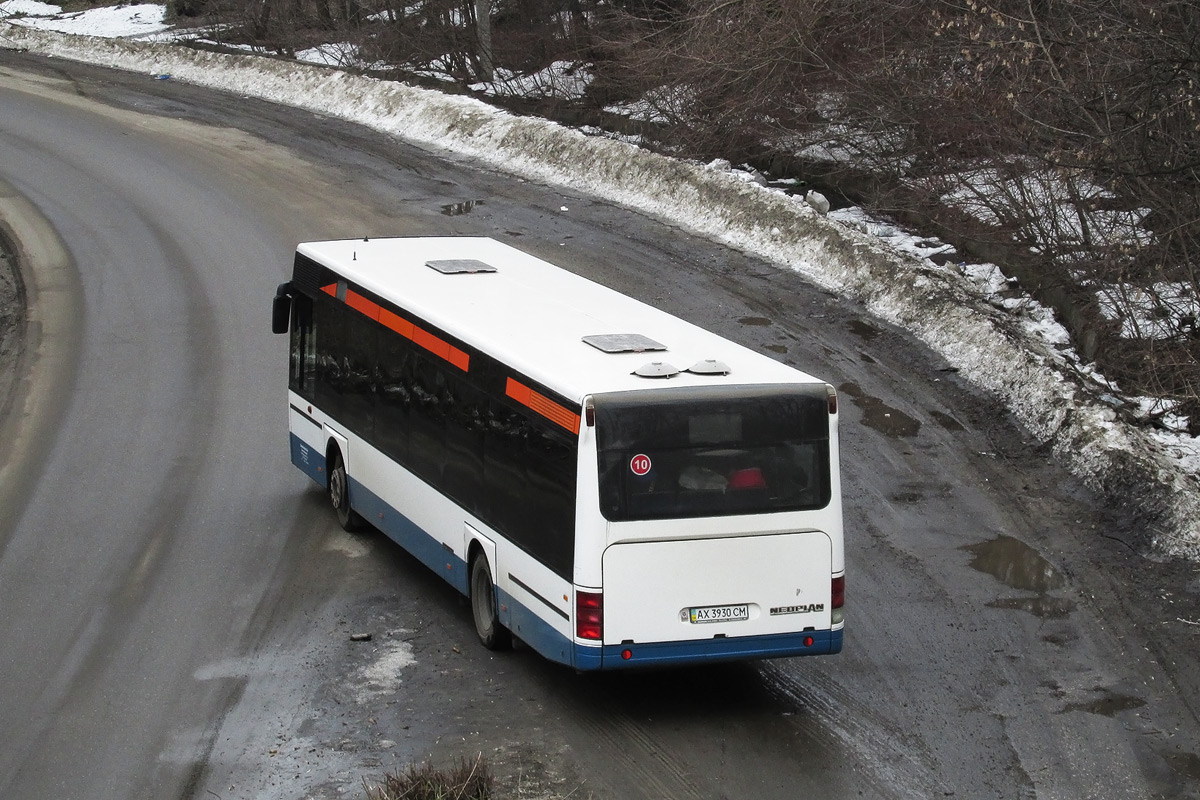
(818, 202)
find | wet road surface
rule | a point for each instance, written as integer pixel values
(179, 604)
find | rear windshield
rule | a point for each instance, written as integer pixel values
(709, 452)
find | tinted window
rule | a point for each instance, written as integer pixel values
(346, 353)
(462, 475)
(303, 356)
(712, 453)
(427, 425)
(456, 430)
(530, 469)
(394, 395)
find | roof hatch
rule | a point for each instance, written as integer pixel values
(459, 266)
(624, 343)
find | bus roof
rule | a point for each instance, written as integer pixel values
(535, 316)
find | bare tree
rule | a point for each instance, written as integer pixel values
(1061, 136)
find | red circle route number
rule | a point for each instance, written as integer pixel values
(640, 464)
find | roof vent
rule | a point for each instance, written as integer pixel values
(709, 366)
(624, 343)
(656, 369)
(459, 266)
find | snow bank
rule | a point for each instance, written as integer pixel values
(1126, 464)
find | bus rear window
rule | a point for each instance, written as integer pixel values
(712, 452)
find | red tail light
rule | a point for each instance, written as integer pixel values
(589, 615)
(837, 599)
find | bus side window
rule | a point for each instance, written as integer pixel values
(393, 401)
(427, 420)
(303, 347)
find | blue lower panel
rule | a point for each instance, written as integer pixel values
(408, 535)
(661, 654)
(535, 631)
(311, 462)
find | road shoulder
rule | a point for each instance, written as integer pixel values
(40, 316)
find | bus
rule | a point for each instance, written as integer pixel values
(612, 485)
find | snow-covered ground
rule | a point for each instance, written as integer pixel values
(128, 21)
(997, 338)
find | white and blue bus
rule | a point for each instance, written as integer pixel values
(612, 485)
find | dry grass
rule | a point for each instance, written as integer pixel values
(467, 780)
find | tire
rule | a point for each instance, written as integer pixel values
(339, 495)
(492, 634)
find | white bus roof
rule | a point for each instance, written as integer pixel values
(534, 316)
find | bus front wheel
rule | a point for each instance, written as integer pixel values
(339, 496)
(492, 634)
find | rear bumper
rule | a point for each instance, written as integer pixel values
(663, 654)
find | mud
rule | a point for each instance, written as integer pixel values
(12, 314)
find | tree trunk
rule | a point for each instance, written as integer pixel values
(483, 39)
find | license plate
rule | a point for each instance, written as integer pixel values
(719, 614)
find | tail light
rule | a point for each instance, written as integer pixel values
(837, 599)
(589, 615)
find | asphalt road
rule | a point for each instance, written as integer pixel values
(177, 603)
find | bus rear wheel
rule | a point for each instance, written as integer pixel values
(492, 634)
(339, 496)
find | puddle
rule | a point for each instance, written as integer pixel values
(880, 416)
(1186, 764)
(1107, 706)
(756, 321)
(1043, 606)
(866, 359)
(777, 348)
(1060, 638)
(1015, 564)
(946, 421)
(868, 333)
(458, 209)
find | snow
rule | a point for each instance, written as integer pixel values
(1139, 311)
(29, 7)
(981, 192)
(562, 80)
(110, 21)
(969, 313)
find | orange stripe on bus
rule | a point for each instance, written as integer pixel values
(555, 412)
(431, 343)
(459, 359)
(363, 305)
(517, 391)
(397, 323)
(434, 344)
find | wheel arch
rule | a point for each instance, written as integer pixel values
(478, 544)
(335, 444)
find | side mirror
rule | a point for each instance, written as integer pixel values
(281, 309)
